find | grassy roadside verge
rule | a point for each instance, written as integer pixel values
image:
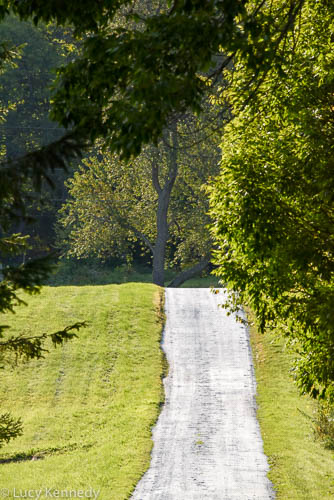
(88, 407)
(301, 468)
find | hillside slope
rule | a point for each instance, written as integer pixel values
(88, 407)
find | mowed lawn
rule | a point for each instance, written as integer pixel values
(88, 407)
(301, 468)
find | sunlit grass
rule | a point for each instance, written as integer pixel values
(301, 468)
(89, 406)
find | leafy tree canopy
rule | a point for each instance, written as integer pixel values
(130, 78)
(25, 88)
(273, 203)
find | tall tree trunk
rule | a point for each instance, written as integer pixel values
(159, 251)
(158, 275)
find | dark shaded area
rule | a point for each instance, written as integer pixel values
(89, 273)
(41, 454)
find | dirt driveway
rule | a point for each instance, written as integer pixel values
(207, 442)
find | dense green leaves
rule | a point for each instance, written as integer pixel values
(10, 428)
(129, 80)
(273, 203)
(25, 88)
(85, 15)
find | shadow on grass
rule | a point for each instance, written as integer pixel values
(68, 273)
(40, 454)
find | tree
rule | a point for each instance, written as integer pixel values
(129, 79)
(16, 173)
(25, 88)
(273, 203)
(25, 93)
(128, 82)
(155, 199)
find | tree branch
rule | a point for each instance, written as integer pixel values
(143, 237)
(126, 225)
(172, 153)
(218, 70)
(189, 273)
(174, 221)
(155, 177)
(32, 347)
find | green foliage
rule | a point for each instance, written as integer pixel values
(10, 428)
(38, 166)
(24, 89)
(85, 16)
(76, 272)
(132, 75)
(273, 203)
(324, 424)
(25, 125)
(130, 79)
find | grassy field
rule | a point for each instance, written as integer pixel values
(301, 468)
(89, 406)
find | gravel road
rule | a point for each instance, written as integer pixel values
(207, 442)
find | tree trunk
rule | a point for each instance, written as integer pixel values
(159, 251)
(158, 275)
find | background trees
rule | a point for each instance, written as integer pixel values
(156, 199)
(130, 79)
(25, 88)
(25, 94)
(273, 203)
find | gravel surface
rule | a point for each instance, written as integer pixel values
(207, 442)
